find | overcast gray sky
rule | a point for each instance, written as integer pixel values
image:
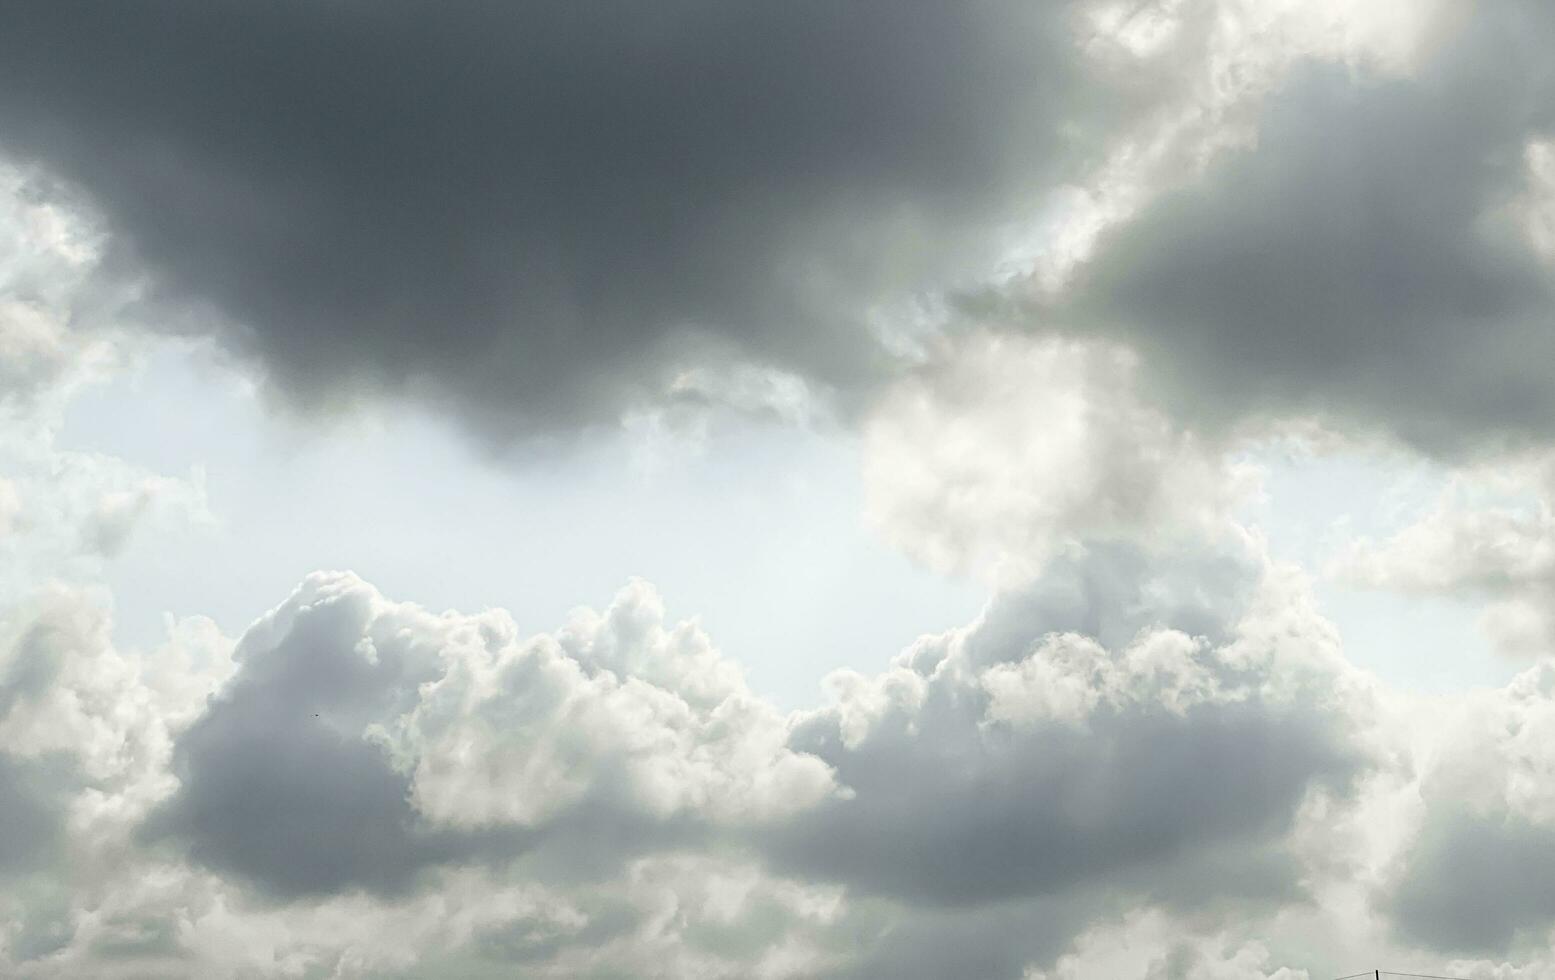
(748, 489)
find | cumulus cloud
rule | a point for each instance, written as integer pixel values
(1145, 721)
(1065, 762)
(361, 741)
(365, 787)
(87, 732)
(541, 214)
(107, 751)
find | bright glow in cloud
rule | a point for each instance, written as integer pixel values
(1011, 451)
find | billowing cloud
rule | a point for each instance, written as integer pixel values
(1064, 762)
(87, 733)
(367, 787)
(361, 741)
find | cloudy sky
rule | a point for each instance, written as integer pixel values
(726, 489)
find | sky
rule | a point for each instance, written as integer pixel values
(777, 490)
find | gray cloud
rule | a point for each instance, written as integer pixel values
(1367, 258)
(37, 778)
(541, 212)
(1475, 881)
(360, 744)
(31, 811)
(987, 769)
(542, 217)
(996, 773)
(275, 786)
(298, 808)
(1039, 815)
(1112, 592)
(996, 941)
(1478, 875)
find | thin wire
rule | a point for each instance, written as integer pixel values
(1422, 976)
(1354, 975)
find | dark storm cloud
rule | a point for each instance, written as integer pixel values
(1358, 261)
(537, 210)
